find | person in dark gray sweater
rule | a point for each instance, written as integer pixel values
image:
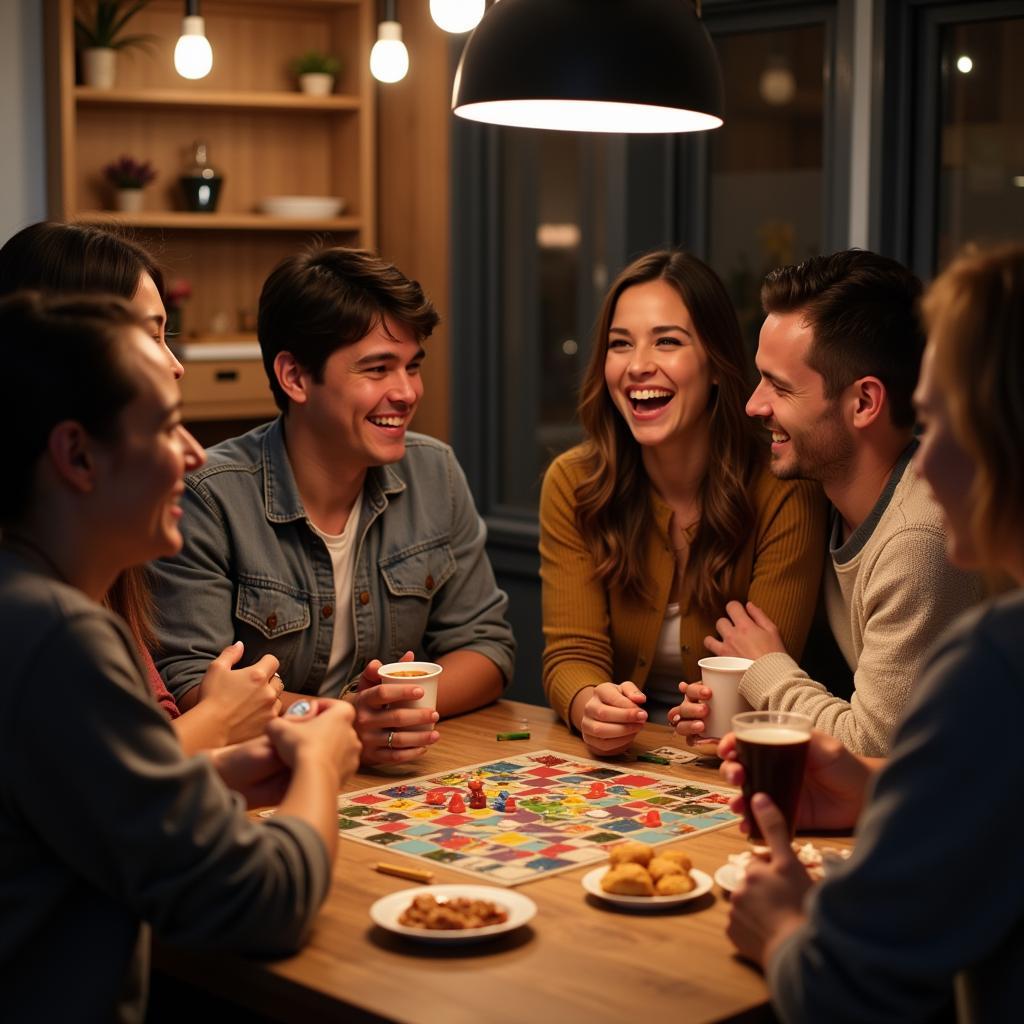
(105, 826)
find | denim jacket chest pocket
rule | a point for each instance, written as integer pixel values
(413, 577)
(276, 616)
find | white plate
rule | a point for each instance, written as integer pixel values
(728, 877)
(388, 909)
(591, 881)
(302, 206)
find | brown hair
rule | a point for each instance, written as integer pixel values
(65, 259)
(613, 503)
(862, 308)
(974, 312)
(315, 302)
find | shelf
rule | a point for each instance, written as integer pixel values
(183, 220)
(220, 98)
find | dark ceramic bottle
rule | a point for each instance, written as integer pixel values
(201, 183)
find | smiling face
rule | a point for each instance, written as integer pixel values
(810, 439)
(140, 474)
(656, 367)
(368, 396)
(146, 302)
(946, 467)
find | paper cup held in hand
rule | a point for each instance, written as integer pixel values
(424, 674)
(723, 676)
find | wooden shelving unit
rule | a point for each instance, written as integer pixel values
(262, 135)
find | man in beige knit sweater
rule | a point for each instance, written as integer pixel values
(838, 358)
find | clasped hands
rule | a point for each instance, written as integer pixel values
(609, 715)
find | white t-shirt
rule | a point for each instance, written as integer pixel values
(342, 549)
(662, 687)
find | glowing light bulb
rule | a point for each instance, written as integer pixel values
(389, 59)
(964, 65)
(193, 55)
(457, 15)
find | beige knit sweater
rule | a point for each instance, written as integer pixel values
(890, 592)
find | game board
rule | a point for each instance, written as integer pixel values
(554, 828)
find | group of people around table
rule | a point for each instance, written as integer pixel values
(164, 608)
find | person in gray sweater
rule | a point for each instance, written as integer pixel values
(933, 890)
(105, 826)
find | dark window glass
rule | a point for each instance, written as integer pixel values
(981, 144)
(767, 160)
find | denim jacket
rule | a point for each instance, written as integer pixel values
(253, 569)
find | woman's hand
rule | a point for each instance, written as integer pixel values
(391, 735)
(688, 717)
(608, 716)
(746, 632)
(244, 699)
(324, 735)
(768, 905)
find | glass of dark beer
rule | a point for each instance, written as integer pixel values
(772, 747)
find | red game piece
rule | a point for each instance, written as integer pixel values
(653, 819)
(597, 790)
(456, 805)
(476, 785)
(477, 800)
(510, 804)
(436, 798)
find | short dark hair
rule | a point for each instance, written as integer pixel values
(862, 308)
(70, 258)
(62, 361)
(317, 301)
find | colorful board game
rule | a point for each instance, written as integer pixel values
(561, 812)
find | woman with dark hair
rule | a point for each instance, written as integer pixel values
(933, 891)
(83, 259)
(106, 824)
(667, 510)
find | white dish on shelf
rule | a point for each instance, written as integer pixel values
(388, 909)
(312, 207)
(591, 881)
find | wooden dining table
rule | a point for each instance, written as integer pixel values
(579, 959)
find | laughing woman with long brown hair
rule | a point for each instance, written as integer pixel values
(667, 510)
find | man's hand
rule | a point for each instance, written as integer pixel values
(245, 699)
(254, 770)
(835, 782)
(746, 632)
(325, 734)
(768, 905)
(391, 735)
(610, 717)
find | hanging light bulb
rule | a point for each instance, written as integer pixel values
(193, 55)
(389, 59)
(457, 15)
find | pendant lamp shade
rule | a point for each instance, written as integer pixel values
(591, 65)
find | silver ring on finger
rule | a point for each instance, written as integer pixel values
(391, 739)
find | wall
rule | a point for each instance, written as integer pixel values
(413, 195)
(22, 116)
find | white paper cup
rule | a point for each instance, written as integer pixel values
(424, 674)
(723, 675)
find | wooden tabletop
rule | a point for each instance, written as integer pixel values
(578, 960)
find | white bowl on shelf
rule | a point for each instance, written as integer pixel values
(310, 207)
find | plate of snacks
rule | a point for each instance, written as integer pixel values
(817, 861)
(642, 878)
(452, 913)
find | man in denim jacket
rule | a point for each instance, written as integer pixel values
(332, 536)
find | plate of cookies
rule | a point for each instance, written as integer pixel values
(452, 913)
(642, 878)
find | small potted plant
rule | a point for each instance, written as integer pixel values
(99, 29)
(129, 177)
(316, 72)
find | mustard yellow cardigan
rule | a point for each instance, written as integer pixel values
(594, 634)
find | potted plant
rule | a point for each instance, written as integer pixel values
(129, 177)
(316, 72)
(99, 29)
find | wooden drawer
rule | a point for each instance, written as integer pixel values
(225, 389)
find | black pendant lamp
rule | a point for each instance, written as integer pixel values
(591, 65)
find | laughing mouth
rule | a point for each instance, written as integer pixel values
(387, 421)
(648, 399)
